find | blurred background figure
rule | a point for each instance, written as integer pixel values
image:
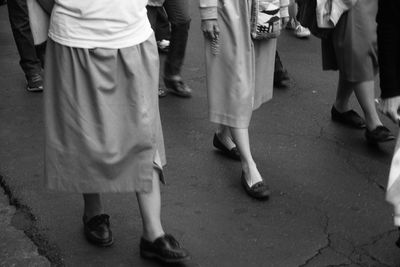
(31, 55)
(389, 70)
(177, 12)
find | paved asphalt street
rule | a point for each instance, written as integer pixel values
(327, 206)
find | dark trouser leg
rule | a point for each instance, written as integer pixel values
(178, 16)
(163, 30)
(280, 73)
(278, 63)
(19, 20)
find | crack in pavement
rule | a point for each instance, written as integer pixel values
(31, 230)
(320, 250)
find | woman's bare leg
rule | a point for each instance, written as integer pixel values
(241, 139)
(343, 93)
(366, 98)
(150, 209)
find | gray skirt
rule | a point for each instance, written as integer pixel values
(240, 76)
(103, 129)
(352, 48)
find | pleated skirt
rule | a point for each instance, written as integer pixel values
(103, 130)
(240, 76)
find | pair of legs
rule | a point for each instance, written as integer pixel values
(149, 205)
(178, 16)
(240, 137)
(365, 94)
(299, 30)
(31, 56)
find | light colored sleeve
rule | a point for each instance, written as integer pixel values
(208, 9)
(155, 2)
(339, 7)
(285, 8)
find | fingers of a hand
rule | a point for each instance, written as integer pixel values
(216, 29)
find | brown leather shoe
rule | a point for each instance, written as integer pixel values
(97, 230)
(164, 248)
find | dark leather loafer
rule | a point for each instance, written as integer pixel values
(280, 76)
(97, 230)
(258, 190)
(378, 135)
(164, 248)
(349, 118)
(232, 153)
(178, 87)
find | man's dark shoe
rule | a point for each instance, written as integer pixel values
(177, 87)
(34, 83)
(97, 230)
(349, 118)
(280, 76)
(378, 135)
(258, 190)
(232, 153)
(164, 248)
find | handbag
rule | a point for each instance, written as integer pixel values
(39, 21)
(265, 19)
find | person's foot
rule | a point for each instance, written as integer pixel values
(378, 135)
(97, 230)
(301, 32)
(258, 190)
(178, 87)
(228, 148)
(165, 248)
(280, 76)
(291, 25)
(34, 82)
(349, 118)
(163, 46)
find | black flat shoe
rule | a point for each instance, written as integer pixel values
(349, 118)
(233, 153)
(280, 77)
(258, 190)
(178, 87)
(164, 248)
(378, 135)
(97, 230)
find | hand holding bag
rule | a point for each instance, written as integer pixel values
(265, 19)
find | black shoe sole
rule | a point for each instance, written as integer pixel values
(152, 255)
(99, 243)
